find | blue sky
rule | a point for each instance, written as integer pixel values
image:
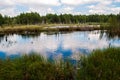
(43, 7)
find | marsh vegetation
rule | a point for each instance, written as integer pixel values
(32, 23)
(100, 64)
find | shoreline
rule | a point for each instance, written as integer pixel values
(26, 29)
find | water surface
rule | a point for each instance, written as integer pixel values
(58, 45)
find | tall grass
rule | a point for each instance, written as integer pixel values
(34, 67)
(27, 29)
(99, 65)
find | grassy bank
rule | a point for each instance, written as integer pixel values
(99, 65)
(47, 27)
(34, 67)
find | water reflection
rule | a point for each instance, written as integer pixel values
(60, 45)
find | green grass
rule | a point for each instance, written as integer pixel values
(34, 67)
(99, 65)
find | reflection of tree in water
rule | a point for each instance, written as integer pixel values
(7, 42)
(113, 33)
(110, 34)
(31, 35)
(101, 33)
(1, 37)
(51, 33)
(58, 32)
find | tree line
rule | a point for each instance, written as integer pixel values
(35, 18)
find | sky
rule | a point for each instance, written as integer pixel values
(75, 7)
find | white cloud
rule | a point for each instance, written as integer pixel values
(91, 6)
(82, 2)
(42, 10)
(68, 10)
(104, 7)
(99, 9)
(6, 3)
(74, 2)
(99, 6)
(96, 11)
(9, 11)
(117, 0)
(115, 10)
(70, 2)
(9, 7)
(41, 6)
(105, 2)
(39, 2)
(65, 10)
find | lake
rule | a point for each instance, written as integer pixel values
(56, 45)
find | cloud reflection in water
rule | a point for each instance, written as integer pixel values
(62, 45)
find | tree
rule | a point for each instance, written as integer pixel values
(1, 20)
(35, 18)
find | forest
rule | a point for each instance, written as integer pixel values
(34, 18)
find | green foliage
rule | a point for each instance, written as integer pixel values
(114, 26)
(34, 67)
(101, 65)
(35, 18)
(114, 22)
(28, 18)
(1, 20)
(8, 20)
